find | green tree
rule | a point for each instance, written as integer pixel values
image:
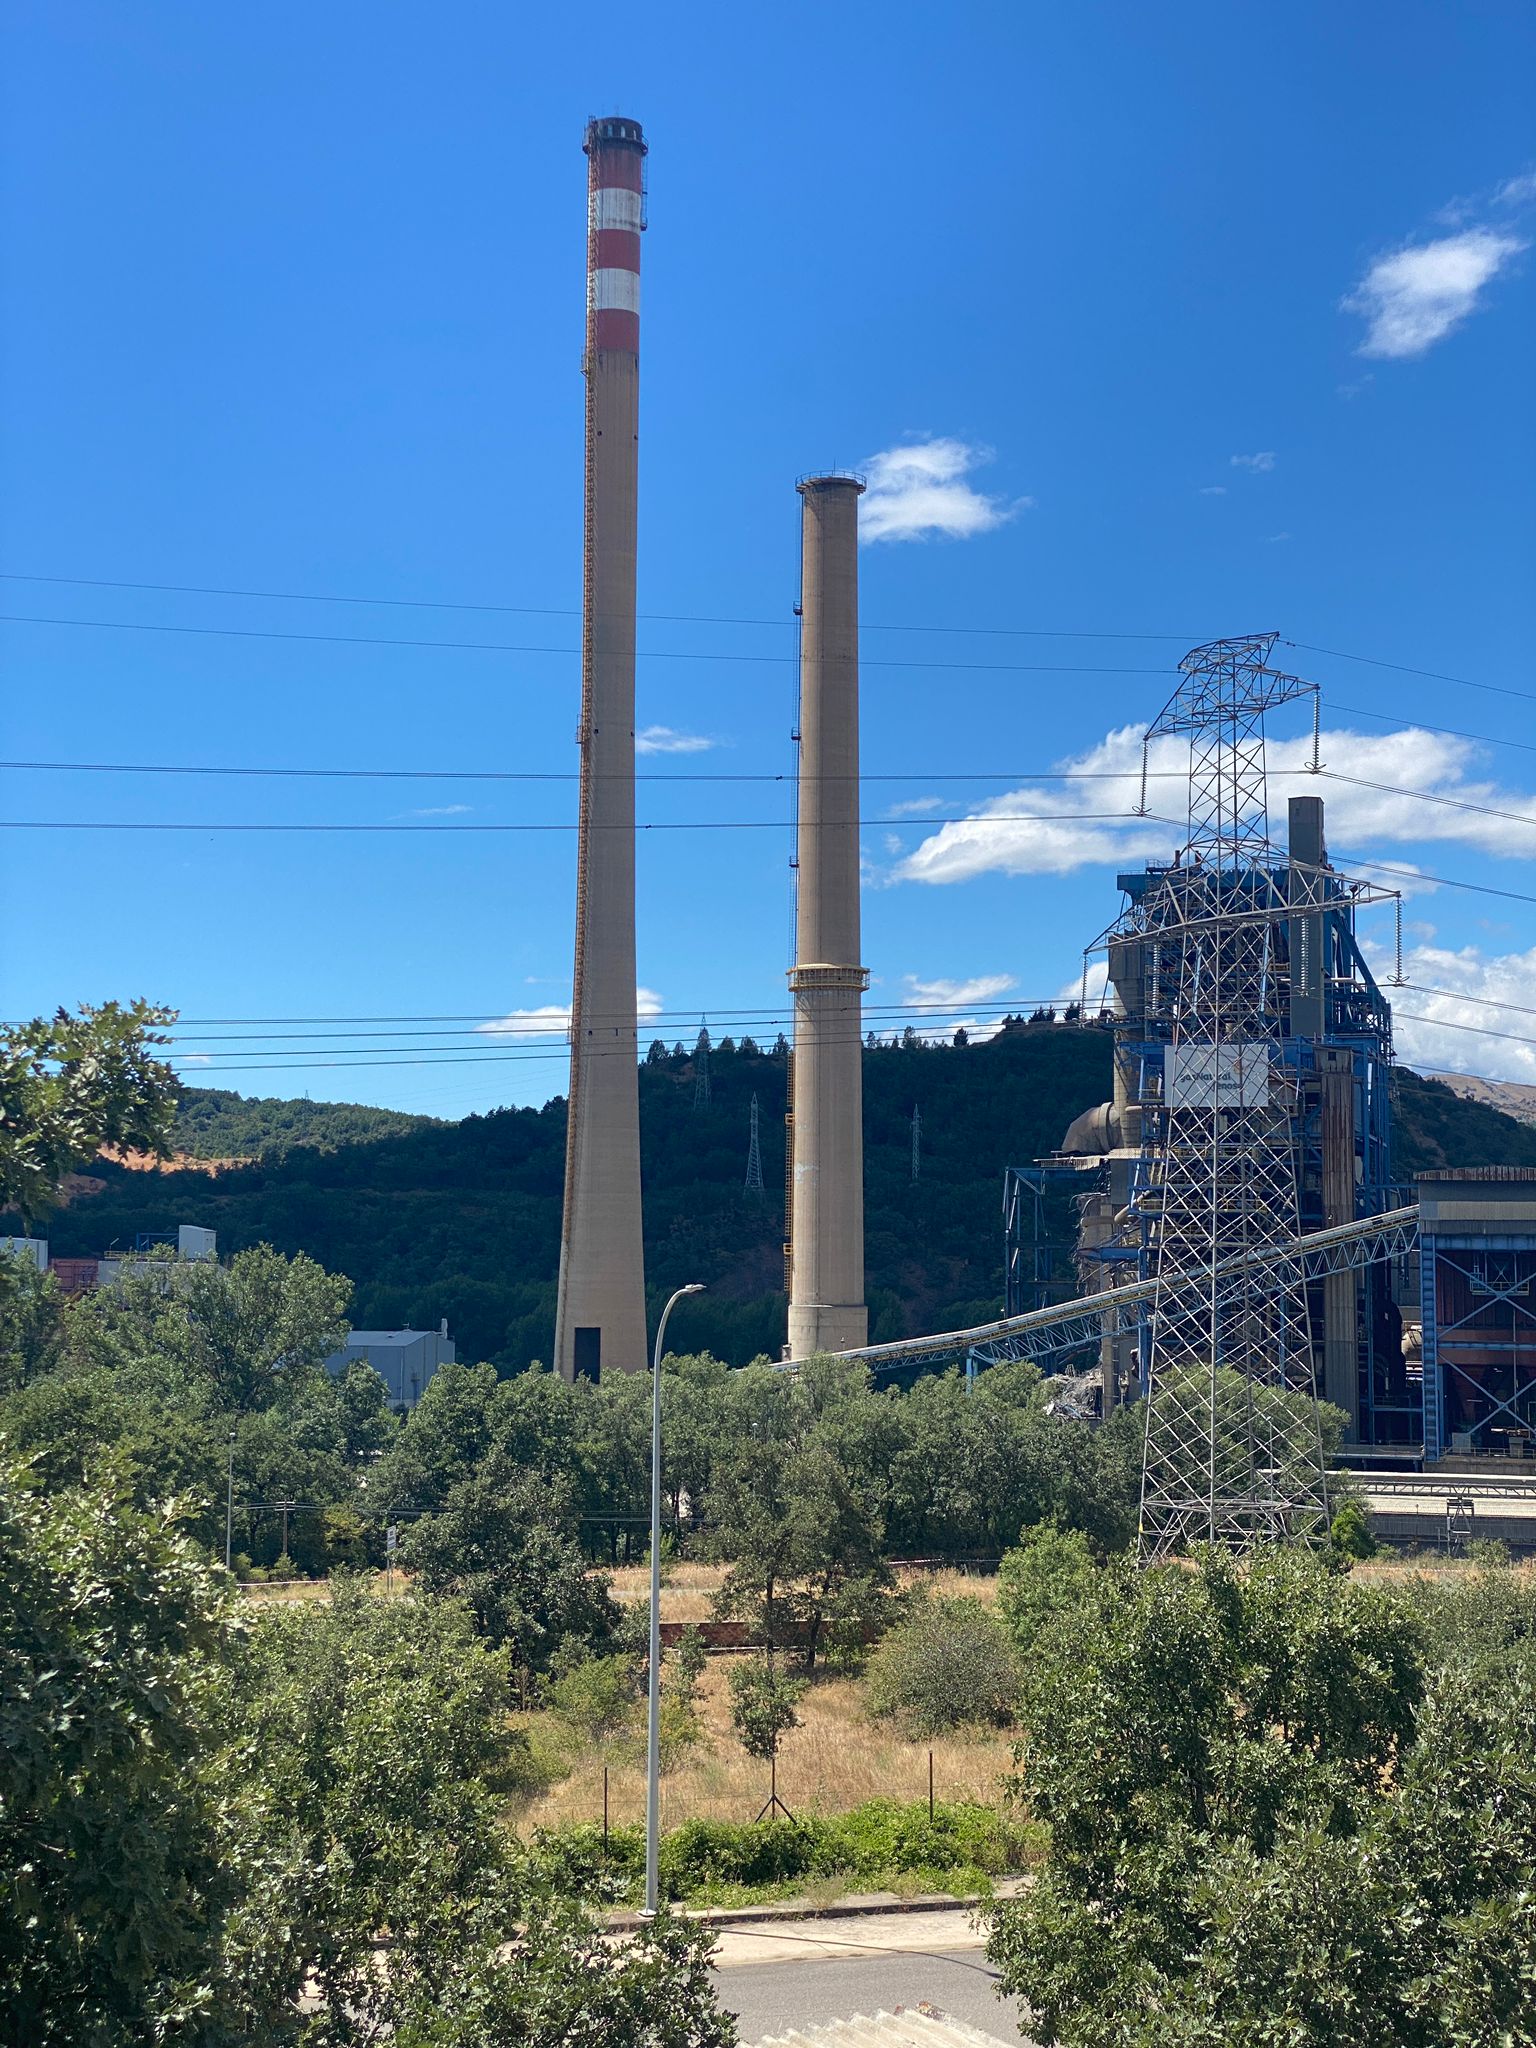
(260, 1320)
(802, 1537)
(763, 1706)
(504, 1542)
(1050, 1571)
(230, 1337)
(200, 1819)
(449, 1433)
(31, 1322)
(129, 1890)
(74, 1082)
(74, 1429)
(381, 1734)
(1190, 1730)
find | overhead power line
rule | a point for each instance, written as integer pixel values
(506, 647)
(1449, 732)
(661, 825)
(736, 1020)
(340, 1062)
(695, 618)
(1432, 675)
(571, 774)
(428, 604)
(1429, 796)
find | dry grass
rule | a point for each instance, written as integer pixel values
(287, 1592)
(834, 1760)
(688, 1590)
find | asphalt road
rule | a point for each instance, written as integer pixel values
(768, 1997)
(812, 1971)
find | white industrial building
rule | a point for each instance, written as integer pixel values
(404, 1359)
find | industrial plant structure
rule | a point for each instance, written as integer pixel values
(600, 1317)
(1250, 1109)
(824, 1257)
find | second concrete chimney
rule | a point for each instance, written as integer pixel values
(826, 1290)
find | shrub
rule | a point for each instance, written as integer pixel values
(593, 1696)
(949, 1664)
(961, 1847)
(1049, 1571)
(1351, 1532)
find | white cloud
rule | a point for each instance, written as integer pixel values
(554, 1019)
(954, 1000)
(921, 489)
(980, 988)
(1258, 464)
(1413, 297)
(443, 811)
(1056, 838)
(1519, 191)
(1271, 538)
(1460, 1035)
(911, 805)
(664, 739)
(1213, 490)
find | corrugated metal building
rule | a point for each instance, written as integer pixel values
(404, 1359)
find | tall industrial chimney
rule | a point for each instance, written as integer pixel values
(826, 1257)
(600, 1320)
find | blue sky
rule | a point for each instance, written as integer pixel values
(1203, 319)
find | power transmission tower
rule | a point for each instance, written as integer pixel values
(754, 1181)
(701, 1095)
(917, 1143)
(1229, 1458)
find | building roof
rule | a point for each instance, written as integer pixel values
(381, 1337)
(921, 2026)
(1478, 1173)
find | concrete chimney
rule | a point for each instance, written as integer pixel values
(600, 1320)
(826, 1261)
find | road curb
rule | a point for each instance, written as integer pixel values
(856, 1908)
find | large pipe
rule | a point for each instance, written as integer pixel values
(826, 1294)
(600, 1319)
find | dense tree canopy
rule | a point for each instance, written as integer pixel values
(203, 1816)
(1284, 1806)
(74, 1082)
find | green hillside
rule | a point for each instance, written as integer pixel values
(215, 1123)
(462, 1220)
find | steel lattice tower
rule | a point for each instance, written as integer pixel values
(702, 1093)
(1229, 1459)
(754, 1180)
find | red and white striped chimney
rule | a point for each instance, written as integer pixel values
(615, 218)
(600, 1318)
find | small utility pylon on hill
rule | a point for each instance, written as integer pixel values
(701, 1092)
(754, 1180)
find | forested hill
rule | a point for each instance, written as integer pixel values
(463, 1220)
(215, 1123)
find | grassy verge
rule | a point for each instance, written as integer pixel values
(879, 1846)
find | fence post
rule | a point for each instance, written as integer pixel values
(605, 1810)
(930, 1784)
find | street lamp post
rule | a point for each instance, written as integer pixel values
(229, 1506)
(653, 1704)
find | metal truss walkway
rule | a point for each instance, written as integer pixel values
(1068, 1325)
